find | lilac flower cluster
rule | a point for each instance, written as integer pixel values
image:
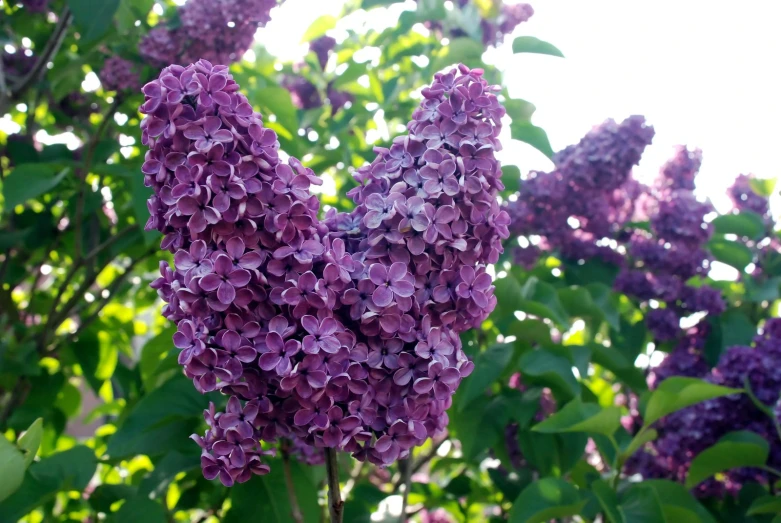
(35, 6)
(305, 94)
(745, 199)
(341, 333)
(686, 433)
(585, 209)
(18, 63)
(119, 74)
(494, 29)
(220, 31)
(590, 185)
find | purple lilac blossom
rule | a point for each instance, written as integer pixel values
(584, 209)
(686, 433)
(745, 199)
(320, 331)
(119, 74)
(35, 6)
(219, 31)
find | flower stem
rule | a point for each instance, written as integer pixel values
(295, 509)
(405, 467)
(335, 503)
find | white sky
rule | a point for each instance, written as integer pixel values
(704, 73)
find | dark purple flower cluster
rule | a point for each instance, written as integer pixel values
(342, 333)
(585, 208)
(745, 199)
(119, 74)
(220, 31)
(303, 93)
(18, 63)
(35, 6)
(584, 199)
(322, 47)
(510, 17)
(686, 433)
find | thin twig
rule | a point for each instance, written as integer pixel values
(111, 290)
(405, 467)
(295, 509)
(88, 159)
(420, 462)
(335, 503)
(355, 473)
(18, 395)
(53, 317)
(49, 51)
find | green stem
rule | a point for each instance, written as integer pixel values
(405, 467)
(335, 503)
(295, 509)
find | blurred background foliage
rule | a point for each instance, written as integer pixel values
(95, 411)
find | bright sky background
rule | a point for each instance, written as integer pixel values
(704, 73)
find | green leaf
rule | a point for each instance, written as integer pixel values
(318, 28)
(519, 110)
(107, 494)
(552, 369)
(735, 450)
(154, 485)
(747, 224)
(736, 329)
(640, 439)
(460, 51)
(267, 495)
(30, 441)
(277, 101)
(29, 181)
(677, 393)
(376, 87)
(732, 253)
(152, 354)
(140, 509)
(97, 358)
(530, 44)
(508, 295)
(93, 18)
(765, 505)
(541, 299)
(546, 499)
(13, 465)
(577, 416)
(675, 497)
(641, 504)
(160, 420)
(71, 469)
(608, 500)
(607, 301)
(511, 178)
(369, 4)
(533, 135)
(488, 367)
(763, 186)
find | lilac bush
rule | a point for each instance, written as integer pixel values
(342, 332)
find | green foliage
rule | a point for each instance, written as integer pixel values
(736, 449)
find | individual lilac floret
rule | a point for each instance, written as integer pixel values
(119, 74)
(341, 333)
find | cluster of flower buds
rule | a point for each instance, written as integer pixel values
(341, 333)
